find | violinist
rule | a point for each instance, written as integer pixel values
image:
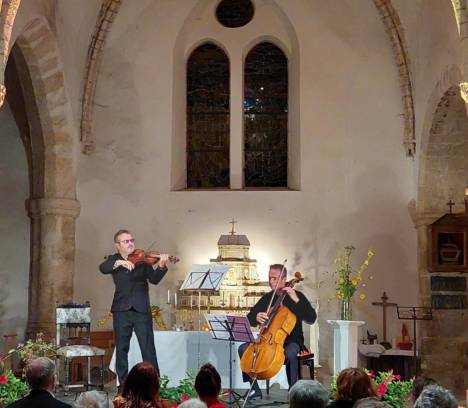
(131, 305)
(298, 304)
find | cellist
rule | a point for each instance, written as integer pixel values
(298, 304)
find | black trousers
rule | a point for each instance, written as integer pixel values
(124, 324)
(291, 361)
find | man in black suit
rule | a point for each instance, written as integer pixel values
(40, 375)
(131, 305)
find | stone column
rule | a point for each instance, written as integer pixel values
(52, 260)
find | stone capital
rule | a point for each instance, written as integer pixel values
(38, 207)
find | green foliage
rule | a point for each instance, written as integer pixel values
(184, 390)
(11, 388)
(35, 348)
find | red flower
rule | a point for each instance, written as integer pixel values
(398, 377)
(174, 406)
(185, 397)
(381, 390)
(3, 379)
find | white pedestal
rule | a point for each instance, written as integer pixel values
(345, 343)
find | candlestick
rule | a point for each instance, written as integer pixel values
(175, 299)
(168, 296)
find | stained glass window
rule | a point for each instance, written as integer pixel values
(266, 117)
(208, 118)
(234, 13)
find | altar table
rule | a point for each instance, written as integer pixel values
(178, 352)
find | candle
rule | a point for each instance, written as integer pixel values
(199, 299)
(191, 301)
(168, 296)
(175, 298)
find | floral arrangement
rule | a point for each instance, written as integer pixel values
(11, 388)
(389, 387)
(348, 280)
(34, 348)
(184, 391)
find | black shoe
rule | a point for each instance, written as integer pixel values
(254, 394)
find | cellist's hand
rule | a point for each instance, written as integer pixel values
(262, 317)
(291, 293)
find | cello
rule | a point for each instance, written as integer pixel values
(264, 358)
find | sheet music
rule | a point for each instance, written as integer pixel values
(222, 326)
(205, 277)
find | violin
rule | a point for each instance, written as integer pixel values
(139, 256)
(263, 359)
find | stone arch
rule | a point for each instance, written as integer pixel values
(52, 205)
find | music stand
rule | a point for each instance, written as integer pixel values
(232, 329)
(204, 278)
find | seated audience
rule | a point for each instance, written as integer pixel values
(40, 375)
(418, 385)
(352, 384)
(192, 403)
(308, 394)
(208, 386)
(371, 402)
(140, 389)
(435, 396)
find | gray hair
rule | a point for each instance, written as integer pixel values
(435, 396)
(192, 403)
(40, 373)
(92, 399)
(308, 394)
(371, 402)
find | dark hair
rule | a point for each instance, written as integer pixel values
(120, 232)
(418, 384)
(279, 267)
(40, 373)
(353, 384)
(208, 381)
(141, 385)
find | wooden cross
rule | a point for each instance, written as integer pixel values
(233, 222)
(384, 305)
(450, 204)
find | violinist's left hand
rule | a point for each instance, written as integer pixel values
(292, 294)
(163, 258)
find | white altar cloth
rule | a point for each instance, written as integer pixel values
(177, 352)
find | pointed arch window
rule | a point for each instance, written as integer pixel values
(266, 117)
(208, 118)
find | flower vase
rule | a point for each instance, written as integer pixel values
(346, 312)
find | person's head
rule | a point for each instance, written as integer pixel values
(124, 242)
(353, 384)
(142, 384)
(274, 274)
(418, 385)
(192, 403)
(208, 381)
(435, 396)
(308, 394)
(92, 399)
(371, 402)
(40, 374)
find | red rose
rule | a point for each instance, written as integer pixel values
(3, 379)
(382, 389)
(185, 397)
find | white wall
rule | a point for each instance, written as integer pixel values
(14, 229)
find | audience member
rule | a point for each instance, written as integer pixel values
(208, 386)
(435, 396)
(140, 389)
(352, 384)
(308, 394)
(371, 402)
(40, 375)
(92, 399)
(418, 385)
(192, 403)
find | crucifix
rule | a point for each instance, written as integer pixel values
(384, 305)
(233, 222)
(450, 204)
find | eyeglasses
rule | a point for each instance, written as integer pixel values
(127, 241)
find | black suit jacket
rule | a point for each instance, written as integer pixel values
(131, 287)
(39, 399)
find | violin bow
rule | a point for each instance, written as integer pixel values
(276, 286)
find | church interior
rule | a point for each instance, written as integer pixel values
(314, 133)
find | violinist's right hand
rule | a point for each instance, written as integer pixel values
(126, 264)
(262, 317)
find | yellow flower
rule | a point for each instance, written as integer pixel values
(362, 296)
(354, 282)
(370, 253)
(341, 280)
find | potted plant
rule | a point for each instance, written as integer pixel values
(172, 396)
(11, 388)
